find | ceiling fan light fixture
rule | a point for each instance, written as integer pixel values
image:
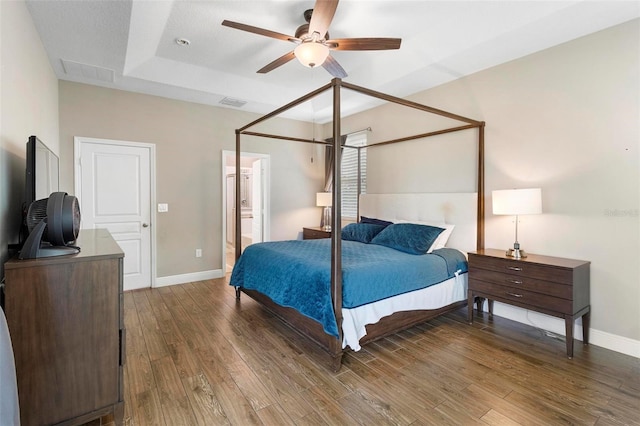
(313, 40)
(311, 53)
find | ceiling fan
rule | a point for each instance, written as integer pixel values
(314, 42)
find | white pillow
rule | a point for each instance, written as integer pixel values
(442, 239)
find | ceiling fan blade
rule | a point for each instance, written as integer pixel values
(322, 16)
(278, 62)
(334, 68)
(259, 31)
(364, 43)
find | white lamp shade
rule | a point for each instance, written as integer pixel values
(311, 54)
(324, 199)
(517, 201)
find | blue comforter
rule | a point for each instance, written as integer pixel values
(297, 274)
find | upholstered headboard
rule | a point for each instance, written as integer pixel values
(459, 209)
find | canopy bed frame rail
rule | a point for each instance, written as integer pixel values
(392, 323)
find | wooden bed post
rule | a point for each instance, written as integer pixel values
(336, 219)
(480, 214)
(359, 185)
(238, 215)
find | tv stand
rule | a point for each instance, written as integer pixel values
(66, 319)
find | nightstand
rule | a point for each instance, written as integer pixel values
(315, 233)
(551, 285)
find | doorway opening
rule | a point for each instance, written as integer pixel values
(254, 202)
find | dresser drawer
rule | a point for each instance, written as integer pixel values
(520, 296)
(524, 283)
(519, 268)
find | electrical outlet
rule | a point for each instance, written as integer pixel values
(198, 252)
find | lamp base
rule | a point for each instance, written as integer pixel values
(516, 253)
(326, 219)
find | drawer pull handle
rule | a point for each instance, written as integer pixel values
(514, 294)
(514, 268)
(514, 281)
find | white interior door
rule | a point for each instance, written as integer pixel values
(257, 223)
(114, 191)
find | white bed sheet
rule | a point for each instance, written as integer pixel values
(354, 321)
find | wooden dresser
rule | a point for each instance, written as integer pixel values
(65, 316)
(551, 285)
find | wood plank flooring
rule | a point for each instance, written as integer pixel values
(197, 357)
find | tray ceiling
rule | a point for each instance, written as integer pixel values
(131, 45)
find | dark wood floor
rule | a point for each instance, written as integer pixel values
(195, 356)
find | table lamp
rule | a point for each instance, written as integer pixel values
(517, 202)
(324, 199)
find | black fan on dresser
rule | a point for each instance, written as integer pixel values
(54, 224)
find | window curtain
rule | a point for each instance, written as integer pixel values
(328, 163)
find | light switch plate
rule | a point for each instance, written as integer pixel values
(163, 207)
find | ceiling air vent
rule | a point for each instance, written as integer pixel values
(76, 69)
(238, 103)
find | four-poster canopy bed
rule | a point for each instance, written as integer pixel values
(332, 334)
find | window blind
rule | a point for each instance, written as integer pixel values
(349, 174)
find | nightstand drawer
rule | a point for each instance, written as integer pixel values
(524, 283)
(521, 297)
(519, 268)
(315, 233)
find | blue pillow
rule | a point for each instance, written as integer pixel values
(408, 237)
(361, 232)
(375, 221)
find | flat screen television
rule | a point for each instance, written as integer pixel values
(51, 218)
(42, 171)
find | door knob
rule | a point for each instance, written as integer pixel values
(145, 225)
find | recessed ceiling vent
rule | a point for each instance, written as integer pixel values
(238, 103)
(76, 69)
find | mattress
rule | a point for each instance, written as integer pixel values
(355, 320)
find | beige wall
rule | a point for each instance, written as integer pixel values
(28, 106)
(567, 120)
(189, 141)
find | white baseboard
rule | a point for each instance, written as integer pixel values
(555, 325)
(188, 278)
